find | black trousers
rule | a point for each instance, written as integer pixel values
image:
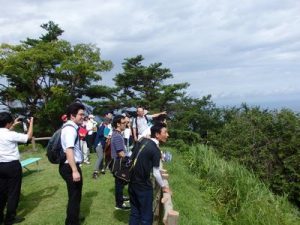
(74, 194)
(10, 189)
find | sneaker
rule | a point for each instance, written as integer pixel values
(87, 162)
(95, 175)
(103, 171)
(17, 220)
(125, 198)
(123, 207)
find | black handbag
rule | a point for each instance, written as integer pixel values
(122, 167)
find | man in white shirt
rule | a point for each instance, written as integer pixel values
(70, 170)
(141, 124)
(10, 167)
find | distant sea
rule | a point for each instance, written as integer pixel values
(293, 104)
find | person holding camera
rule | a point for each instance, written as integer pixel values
(10, 167)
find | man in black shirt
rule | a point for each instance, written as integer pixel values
(140, 187)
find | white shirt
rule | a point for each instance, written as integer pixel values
(90, 126)
(9, 144)
(68, 137)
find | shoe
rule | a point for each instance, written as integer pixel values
(95, 175)
(125, 198)
(87, 162)
(102, 171)
(122, 207)
(16, 220)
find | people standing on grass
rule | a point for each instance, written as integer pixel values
(140, 186)
(10, 167)
(118, 150)
(70, 170)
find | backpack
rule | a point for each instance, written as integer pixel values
(55, 152)
(122, 168)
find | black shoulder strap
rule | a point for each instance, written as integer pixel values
(143, 145)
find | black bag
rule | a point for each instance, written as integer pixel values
(122, 167)
(55, 152)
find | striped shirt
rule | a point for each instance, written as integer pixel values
(117, 144)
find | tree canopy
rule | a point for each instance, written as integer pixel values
(46, 74)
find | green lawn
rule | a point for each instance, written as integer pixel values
(44, 196)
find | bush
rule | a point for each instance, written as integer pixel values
(267, 142)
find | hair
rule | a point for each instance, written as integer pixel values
(73, 109)
(160, 119)
(156, 129)
(5, 118)
(117, 119)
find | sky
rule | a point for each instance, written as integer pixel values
(236, 50)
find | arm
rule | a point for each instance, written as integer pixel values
(158, 114)
(30, 129)
(71, 161)
(158, 178)
(135, 137)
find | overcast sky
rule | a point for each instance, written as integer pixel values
(237, 51)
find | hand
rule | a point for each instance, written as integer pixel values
(166, 190)
(76, 176)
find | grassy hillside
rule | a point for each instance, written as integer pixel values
(213, 191)
(206, 190)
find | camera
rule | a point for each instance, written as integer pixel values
(23, 119)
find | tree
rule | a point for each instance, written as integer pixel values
(145, 85)
(44, 75)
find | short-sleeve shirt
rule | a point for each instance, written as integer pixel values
(141, 123)
(69, 135)
(148, 158)
(117, 144)
(9, 144)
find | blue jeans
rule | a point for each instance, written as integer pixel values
(141, 206)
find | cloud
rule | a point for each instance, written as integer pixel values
(225, 48)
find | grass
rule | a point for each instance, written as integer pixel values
(206, 191)
(44, 196)
(237, 196)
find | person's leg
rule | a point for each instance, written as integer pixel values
(145, 199)
(99, 164)
(135, 215)
(119, 186)
(3, 190)
(74, 194)
(85, 151)
(13, 190)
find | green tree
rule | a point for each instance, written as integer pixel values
(46, 74)
(146, 85)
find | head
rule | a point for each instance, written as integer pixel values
(140, 111)
(75, 112)
(6, 119)
(159, 131)
(119, 123)
(108, 115)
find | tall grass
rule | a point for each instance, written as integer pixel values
(239, 198)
